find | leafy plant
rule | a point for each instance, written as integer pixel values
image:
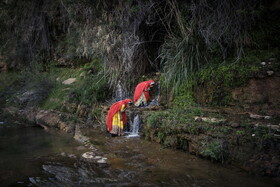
(240, 132)
(155, 120)
(214, 149)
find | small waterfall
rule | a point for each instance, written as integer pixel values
(134, 127)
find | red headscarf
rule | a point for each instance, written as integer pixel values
(116, 107)
(141, 87)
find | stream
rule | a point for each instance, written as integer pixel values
(30, 156)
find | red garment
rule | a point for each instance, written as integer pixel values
(115, 108)
(142, 87)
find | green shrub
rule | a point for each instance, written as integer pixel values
(161, 136)
(193, 129)
(213, 149)
(240, 132)
(155, 120)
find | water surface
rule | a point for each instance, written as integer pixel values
(33, 157)
(23, 150)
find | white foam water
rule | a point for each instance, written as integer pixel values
(134, 127)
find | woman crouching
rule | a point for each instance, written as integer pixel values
(116, 118)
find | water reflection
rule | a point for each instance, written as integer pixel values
(31, 156)
(23, 149)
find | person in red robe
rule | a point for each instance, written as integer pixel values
(141, 93)
(116, 118)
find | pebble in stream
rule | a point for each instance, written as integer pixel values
(90, 156)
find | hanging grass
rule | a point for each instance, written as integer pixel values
(180, 57)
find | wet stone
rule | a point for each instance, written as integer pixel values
(270, 73)
(88, 155)
(102, 161)
(68, 155)
(267, 117)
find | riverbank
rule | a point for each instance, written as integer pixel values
(129, 162)
(246, 141)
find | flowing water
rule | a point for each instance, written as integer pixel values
(134, 127)
(33, 157)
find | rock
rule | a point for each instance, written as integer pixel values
(79, 148)
(32, 180)
(197, 118)
(69, 81)
(274, 127)
(26, 96)
(47, 118)
(263, 63)
(102, 161)
(78, 135)
(235, 125)
(270, 73)
(82, 74)
(267, 117)
(212, 120)
(72, 156)
(88, 155)
(255, 116)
